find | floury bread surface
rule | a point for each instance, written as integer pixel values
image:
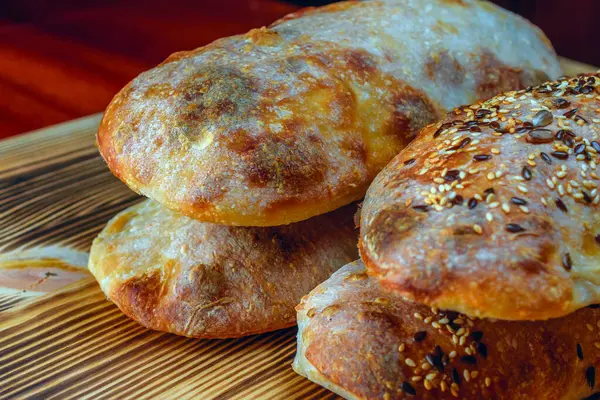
(172, 273)
(295, 120)
(493, 211)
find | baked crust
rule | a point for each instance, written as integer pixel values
(175, 274)
(494, 210)
(365, 343)
(295, 120)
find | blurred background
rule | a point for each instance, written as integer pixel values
(61, 60)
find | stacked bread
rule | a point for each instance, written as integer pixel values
(481, 250)
(283, 125)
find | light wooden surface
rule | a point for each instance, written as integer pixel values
(55, 195)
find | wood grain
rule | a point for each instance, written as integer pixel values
(56, 193)
(75, 344)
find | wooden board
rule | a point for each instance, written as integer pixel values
(55, 196)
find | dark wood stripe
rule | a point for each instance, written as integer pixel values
(8, 301)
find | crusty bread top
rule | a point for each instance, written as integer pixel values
(285, 123)
(494, 210)
(175, 274)
(364, 343)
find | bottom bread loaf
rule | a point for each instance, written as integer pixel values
(175, 274)
(364, 343)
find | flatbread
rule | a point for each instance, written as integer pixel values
(295, 120)
(175, 274)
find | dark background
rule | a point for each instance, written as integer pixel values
(61, 60)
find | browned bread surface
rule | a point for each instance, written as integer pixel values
(494, 210)
(291, 121)
(175, 274)
(365, 343)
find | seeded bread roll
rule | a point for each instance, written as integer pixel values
(295, 120)
(493, 211)
(175, 274)
(364, 343)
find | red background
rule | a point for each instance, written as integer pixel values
(60, 60)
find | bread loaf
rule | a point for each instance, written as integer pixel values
(175, 274)
(364, 343)
(493, 211)
(292, 121)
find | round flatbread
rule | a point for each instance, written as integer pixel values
(285, 123)
(493, 211)
(175, 274)
(363, 342)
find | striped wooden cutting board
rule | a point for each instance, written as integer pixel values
(70, 342)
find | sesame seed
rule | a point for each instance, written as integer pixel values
(401, 347)
(427, 385)
(443, 386)
(561, 205)
(455, 377)
(488, 381)
(416, 378)
(431, 376)
(420, 336)
(407, 387)
(514, 228)
(489, 217)
(505, 207)
(561, 155)
(590, 377)
(518, 201)
(482, 349)
(590, 327)
(522, 189)
(524, 209)
(474, 374)
(410, 362)
(481, 157)
(477, 229)
(418, 316)
(466, 375)
(452, 354)
(472, 203)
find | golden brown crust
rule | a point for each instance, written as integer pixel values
(494, 210)
(175, 274)
(365, 343)
(295, 120)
